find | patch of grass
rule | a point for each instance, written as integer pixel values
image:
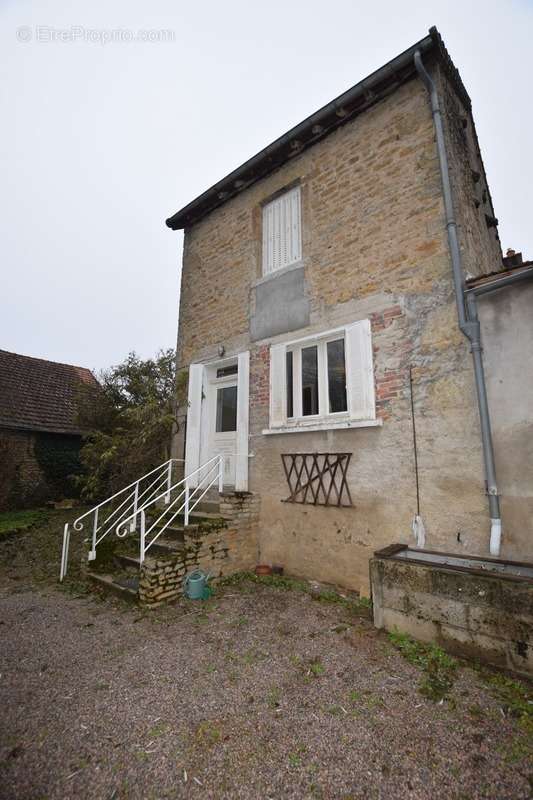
(240, 579)
(438, 667)
(316, 667)
(518, 749)
(207, 734)
(295, 758)
(517, 702)
(372, 701)
(158, 730)
(274, 697)
(252, 656)
(354, 696)
(18, 521)
(516, 698)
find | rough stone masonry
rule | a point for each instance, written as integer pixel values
(374, 246)
(222, 548)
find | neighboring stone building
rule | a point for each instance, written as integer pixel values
(316, 279)
(39, 436)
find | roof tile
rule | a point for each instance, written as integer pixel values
(36, 394)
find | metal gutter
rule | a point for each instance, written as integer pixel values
(320, 124)
(504, 279)
(468, 323)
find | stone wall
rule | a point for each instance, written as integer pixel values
(219, 550)
(374, 246)
(478, 616)
(478, 238)
(36, 467)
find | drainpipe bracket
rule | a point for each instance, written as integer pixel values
(492, 490)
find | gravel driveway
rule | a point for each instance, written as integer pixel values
(258, 693)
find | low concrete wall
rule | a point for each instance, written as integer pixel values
(484, 616)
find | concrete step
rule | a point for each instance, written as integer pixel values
(208, 506)
(175, 532)
(197, 517)
(122, 586)
(128, 561)
(165, 546)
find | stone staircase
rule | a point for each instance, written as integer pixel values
(119, 573)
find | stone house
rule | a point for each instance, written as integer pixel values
(39, 435)
(321, 287)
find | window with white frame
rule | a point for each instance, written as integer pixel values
(282, 231)
(324, 381)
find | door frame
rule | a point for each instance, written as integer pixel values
(197, 436)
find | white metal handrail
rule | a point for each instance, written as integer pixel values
(129, 507)
(213, 473)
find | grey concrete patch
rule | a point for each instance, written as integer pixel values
(281, 305)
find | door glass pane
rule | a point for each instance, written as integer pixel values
(290, 410)
(309, 381)
(337, 376)
(226, 409)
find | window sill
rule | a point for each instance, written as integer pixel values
(324, 425)
(270, 276)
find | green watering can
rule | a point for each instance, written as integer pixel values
(195, 585)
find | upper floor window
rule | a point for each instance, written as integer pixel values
(282, 231)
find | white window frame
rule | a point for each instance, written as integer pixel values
(282, 231)
(360, 396)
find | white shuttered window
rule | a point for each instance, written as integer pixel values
(323, 382)
(282, 231)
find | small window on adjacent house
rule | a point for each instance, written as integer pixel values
(282, 231)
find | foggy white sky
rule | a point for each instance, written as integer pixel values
(102, 142)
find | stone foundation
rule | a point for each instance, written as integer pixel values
(221, 549)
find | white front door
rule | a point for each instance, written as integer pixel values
(222, 422)
(217, 420)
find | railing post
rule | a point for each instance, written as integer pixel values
(186, 502)
(64, 552)
(133, 523)
(92, 552)
(143, 529)
(220, 475)
(169, 482)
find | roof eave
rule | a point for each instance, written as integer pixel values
(320, 124)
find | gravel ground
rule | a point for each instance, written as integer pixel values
(258, 693)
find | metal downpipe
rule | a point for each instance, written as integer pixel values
(468, 323)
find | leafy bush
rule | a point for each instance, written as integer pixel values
(129, 423)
